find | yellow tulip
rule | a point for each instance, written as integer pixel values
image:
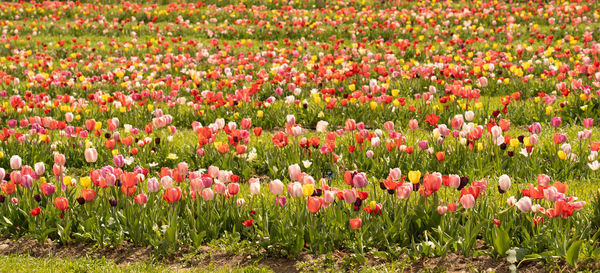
(373, 105)
(308, 189)
(85, 181)
(414, 176)
(372, 204)
(562, 155)
(67, 180)
(514, 142)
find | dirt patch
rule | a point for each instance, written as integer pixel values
(125, 253)
(204, 257)
(458, 263)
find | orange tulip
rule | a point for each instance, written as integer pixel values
(172, 194)
(9, 188)
(88, 194)
(440, 156)
(61, 203)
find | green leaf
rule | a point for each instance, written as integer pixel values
(501, 241)
(8, 222)
(573, 253)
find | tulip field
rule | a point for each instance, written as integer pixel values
(383, 130)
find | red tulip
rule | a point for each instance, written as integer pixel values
(280, 139)
(314, 204)
(141, 198)
(233, 188)
(36, 211)
(248, 223)
(355, 223)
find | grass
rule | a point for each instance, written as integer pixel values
(24, 263)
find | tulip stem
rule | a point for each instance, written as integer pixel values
(360, 240)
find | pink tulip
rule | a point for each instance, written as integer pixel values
(359, 180)
(349, 196)
(551, 194)
(207, 182)
(246, 123)
(588, 123)
(454, 181)
(15, 162)
(404, 190)
(375, 141)
(469, 115)
(255, 188)
(213, 171)
(276, 187)
(467, 201)
(219, 187)
(91, 155)
(483, 81)
(119, 161)
(577, 205)
(207, 194)
(47, 188)
(423, 144)
(413, 124)
(307, 179)
(524, 204)
(350, 125)
(166, 182)
(329, 197)
(503, 183)
(533, 139)
(196, 185)
(432, 182)
(442, 210)
(59, 159)
(293, 171)
(395, 174)
(360, 126)
(182, 168)
(110, 179)
(58, 170)
(295, 189)
(27, 181)
(153, 185)
(280, 201)
(543, 180)
(535, 128)
(556, 121)
(16, 177)
(388, 125)
(40, 168)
